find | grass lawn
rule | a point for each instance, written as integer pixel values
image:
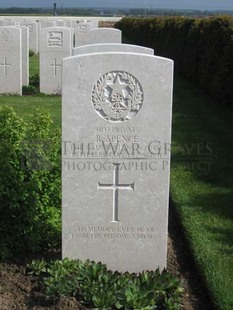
(34, 65)
(201, 177)
(25, 106)
(201, 185)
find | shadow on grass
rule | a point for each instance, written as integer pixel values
(202, 136)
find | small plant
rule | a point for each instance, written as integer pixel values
(31, 53)
(37, 267)
(33, 87)
(96, 287)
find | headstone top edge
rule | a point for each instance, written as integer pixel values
(66, 59)
(112, 44)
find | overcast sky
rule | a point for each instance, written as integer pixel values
(173, 4)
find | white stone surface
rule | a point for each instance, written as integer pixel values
(46, 23)
(82, 33)
(116, 115)
(25, 54)
(33, 35)
(55, 44)
(10, 60)
(112, 47)
(105, 35)
(9, 22)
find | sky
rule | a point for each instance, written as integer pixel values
(171, 4)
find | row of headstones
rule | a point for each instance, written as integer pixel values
(81, 29)
(116, 131)
(56, 43)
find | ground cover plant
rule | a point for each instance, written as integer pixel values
(96, 287)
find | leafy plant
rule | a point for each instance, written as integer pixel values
(30, 190)
(37, 267)
(95, 286)
(31, 53)
(33, 87)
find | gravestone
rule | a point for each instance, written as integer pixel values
(105, 35)
(60, 23)
(112, 47)
(10, 60)
(55, 44)
(116, 132)
(82, 33)
(46, 23)
(33, 35)
(25, 54)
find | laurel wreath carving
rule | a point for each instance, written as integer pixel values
(134, 97)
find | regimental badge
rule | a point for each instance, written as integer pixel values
(117, 96)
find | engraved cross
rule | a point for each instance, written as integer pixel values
(115, 186)
(5, 65)
(55, 65)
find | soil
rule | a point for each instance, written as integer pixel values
(20, 291)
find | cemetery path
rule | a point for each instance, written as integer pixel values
(21, 291)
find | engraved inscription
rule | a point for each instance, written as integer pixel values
(5, 65)
(55, 38)
(82, 28)
(122, 233)
(117, 96)
(5, 35)
(115, 186)
(55, 66)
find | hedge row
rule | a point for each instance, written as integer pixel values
(202, 48)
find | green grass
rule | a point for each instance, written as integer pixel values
(26, 106)
(34, 65)
(204, 197)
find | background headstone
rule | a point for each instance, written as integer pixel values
(55, 44)
(112, 47)
(33, 35)
(25, 54)
(82, 33)
(105, 35)
(116, 116)
(10, 60)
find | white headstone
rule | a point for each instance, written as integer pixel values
(55, 44)
(10, 60)
(105, 35)
(33, 35)
(82, 33)
(112, 47)
(48, 23)
(60, 23)
(25, 54)
(116, 131)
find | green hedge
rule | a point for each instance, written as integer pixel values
(202, 48)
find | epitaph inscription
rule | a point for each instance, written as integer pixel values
(117, 96)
